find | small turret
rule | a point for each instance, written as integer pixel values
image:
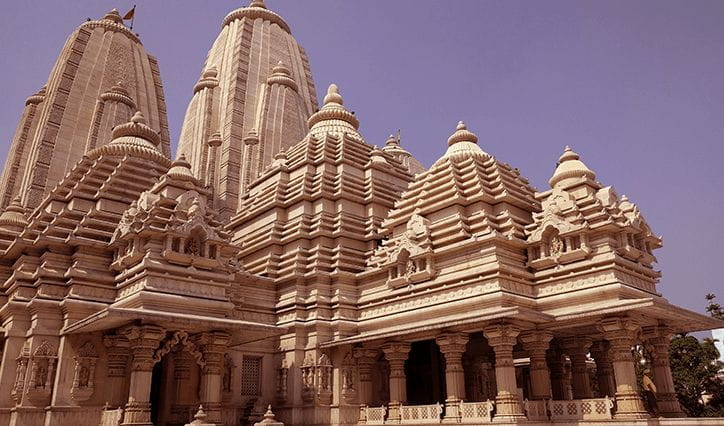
(570, 169)
(333, 117)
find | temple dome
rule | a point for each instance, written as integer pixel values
(333, 117)
(394, 148)
(133, 138)
(462, 144)
(181, 170)
(14, 216)
(570, 169)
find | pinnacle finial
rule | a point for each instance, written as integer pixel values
(392, 141)
(333, 95)
(257, 3)
(570, 169)
(114, 16)
(462, 134)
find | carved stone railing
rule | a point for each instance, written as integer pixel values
(536, 410)
(476, 411)
(416, 414)
(372, 415)
(581, 409)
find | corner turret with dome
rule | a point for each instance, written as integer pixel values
(281, 259)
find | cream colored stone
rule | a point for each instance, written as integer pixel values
(282, 259)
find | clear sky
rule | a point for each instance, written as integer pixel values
(635, 87)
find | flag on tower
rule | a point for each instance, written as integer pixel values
(130, 14)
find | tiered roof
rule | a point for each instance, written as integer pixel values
(466, 193)
(328, 195)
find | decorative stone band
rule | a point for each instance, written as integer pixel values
(252, 13)
(129, 148)
(109, 25)
(330, 112)
(119, 94)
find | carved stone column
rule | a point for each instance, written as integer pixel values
(118, 351)
(213, 346)
(396, 354)
(621, 335)
(452, 346)
(182, 363)
(536, 344)
(366, 359)
(604, 369)
(657, 341)
(577, 350)
(144, 341)
(502, 338)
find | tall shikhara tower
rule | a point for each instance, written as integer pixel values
(253, 99)
(102, 76)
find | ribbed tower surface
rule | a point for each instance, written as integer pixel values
(253, 99)
(102, 76)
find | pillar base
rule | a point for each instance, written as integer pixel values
(137, 414)
(452, 411)
(394, 412)
(668, 405)
(630, 406)
(508, 408)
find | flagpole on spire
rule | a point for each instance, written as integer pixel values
(131, 14)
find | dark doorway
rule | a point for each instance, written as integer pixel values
(156, 383)
(425, 371)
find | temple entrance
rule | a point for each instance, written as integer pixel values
(425, 371)
(155, 399)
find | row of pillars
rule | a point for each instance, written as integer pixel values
(616, 371)
(143, 341)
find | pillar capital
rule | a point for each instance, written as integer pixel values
(501, 334)
(450, 343)
(365, 356)
(536, 340)
(396, 351)
(619, 331)
(143, 342)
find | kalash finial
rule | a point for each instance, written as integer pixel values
(333, 96)
(257, 3)
(114, 16)
(462, 134)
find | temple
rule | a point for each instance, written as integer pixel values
(282, 262)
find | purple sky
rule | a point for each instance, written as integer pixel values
(636, 87)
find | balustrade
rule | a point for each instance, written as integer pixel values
(581, 409)
(476, 411)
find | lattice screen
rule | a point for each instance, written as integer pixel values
(251, 375)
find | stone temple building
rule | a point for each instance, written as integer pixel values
(280, 259)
